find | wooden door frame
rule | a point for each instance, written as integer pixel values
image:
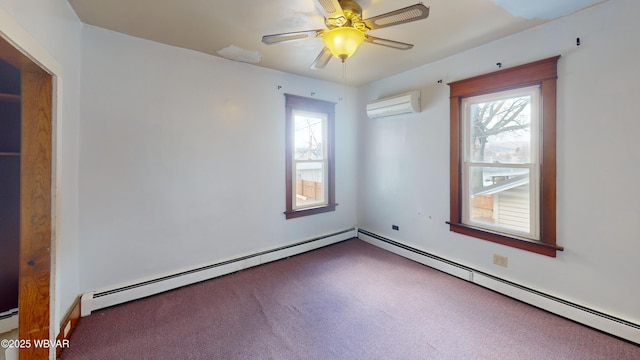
(36, 199)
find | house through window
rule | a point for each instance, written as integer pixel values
(503, 163)
(310, 170)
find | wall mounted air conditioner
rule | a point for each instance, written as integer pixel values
(395, 105)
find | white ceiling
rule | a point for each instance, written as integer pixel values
(211, 25)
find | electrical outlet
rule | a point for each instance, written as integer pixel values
(500, 260)
(395, 227)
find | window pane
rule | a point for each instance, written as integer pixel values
(500, 130)
(309, 136)
(499, 197)
(309, 184)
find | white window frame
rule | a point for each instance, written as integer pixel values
(533, 166)
(324, 161)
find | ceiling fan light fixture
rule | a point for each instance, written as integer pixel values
(346, 29)
(343, 41)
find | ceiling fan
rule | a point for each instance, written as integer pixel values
(347, 30)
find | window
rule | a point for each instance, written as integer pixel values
(499, 161)
(503, 164)
(310, 170)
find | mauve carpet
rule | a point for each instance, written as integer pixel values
(350, 300)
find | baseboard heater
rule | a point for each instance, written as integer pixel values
(592, 318)
(92, 301)
(8, 320)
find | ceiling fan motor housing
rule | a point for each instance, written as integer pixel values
(352, 16)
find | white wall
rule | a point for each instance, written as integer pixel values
(172, 141)
(404, 161)
(182, 159)
(52, 33)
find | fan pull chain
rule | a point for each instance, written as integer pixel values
(344, 72)
(344, 81)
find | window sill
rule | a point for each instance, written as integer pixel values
(516, 242)
(310, 211)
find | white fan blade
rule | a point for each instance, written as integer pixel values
(400, 16)
(278, 38)
(386, 42)
(323, 58)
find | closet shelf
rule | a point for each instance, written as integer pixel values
(9, 97)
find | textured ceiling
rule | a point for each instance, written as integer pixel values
(211, 25)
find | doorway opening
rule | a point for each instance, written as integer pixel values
(34, 178)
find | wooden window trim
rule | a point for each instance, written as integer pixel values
(295, 102)
(542, 73)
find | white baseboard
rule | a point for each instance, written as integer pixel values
(8, 321)
(593, 318)
(95, 300)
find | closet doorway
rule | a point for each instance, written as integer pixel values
(9, 186)
(32, 175)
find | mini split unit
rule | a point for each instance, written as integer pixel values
(395, 105)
